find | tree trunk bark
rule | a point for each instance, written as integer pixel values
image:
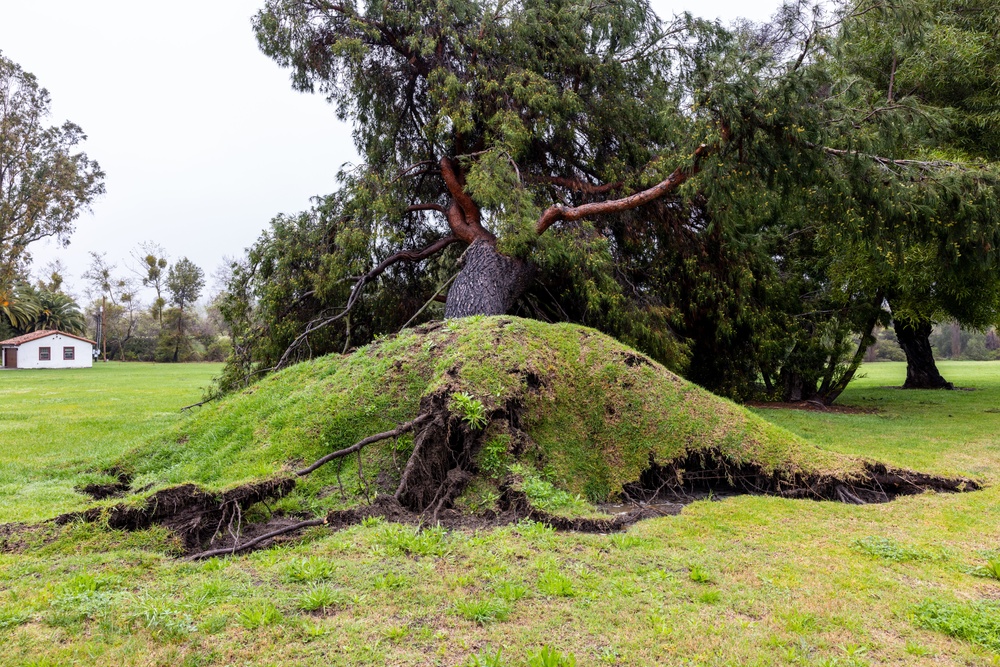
(490, 283)
(921, 371)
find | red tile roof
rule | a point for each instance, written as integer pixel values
(35, 335)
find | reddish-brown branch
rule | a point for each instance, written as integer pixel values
(463, 214)
(425, 207)
(559, 212)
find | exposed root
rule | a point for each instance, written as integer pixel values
(711, 471)
(258, 541)
(196, 516)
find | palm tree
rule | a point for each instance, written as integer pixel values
(58, 311)
(19, 306)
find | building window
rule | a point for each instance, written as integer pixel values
(69, 353)
(44, 353)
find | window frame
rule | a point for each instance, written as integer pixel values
(71, 350)
(45, 354)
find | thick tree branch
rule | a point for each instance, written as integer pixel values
(559, 213)
(426, 207)
(463, 214)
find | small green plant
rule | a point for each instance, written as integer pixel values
(322, 599)
(397, 539)
(710, 597)
(549, 657)
(543, 495)
(259, 615)
(308, 569)
(166, 623)
(913, 648)
(396, 633)
(10, 618)
(991, 570)
(699, 575)
(493, 458)
(214, 624)
(486, 658)
(483, 611)
(390, 581)
(555, 584)
(372, 521)
(471, 409)
(510, 591)
(625, 541)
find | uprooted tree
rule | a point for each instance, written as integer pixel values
(738, 188)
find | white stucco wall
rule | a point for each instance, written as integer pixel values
(27, 353)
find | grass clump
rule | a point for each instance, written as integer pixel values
(550, 657)
(976, 622)
(888, 549)
(484, 610)
(556, 584)
(322, 599)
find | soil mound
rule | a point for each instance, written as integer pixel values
(478, 419)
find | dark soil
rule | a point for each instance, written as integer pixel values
(195, 515)
(115, 489)
(705, 472)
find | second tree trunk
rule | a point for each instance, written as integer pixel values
(921, 371)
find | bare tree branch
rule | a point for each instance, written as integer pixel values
(358, 446)
(321, 322)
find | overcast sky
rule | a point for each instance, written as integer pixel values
(201, 136)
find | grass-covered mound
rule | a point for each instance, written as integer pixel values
(562, 413)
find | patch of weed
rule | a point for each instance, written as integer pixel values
(323, 599)
(260, 614)
(555, 584)
(510, 591)
(399, 540)
(887, 549)
(710, 597)
(486, 658)
(699, 575)
(976, 622)
(308, 569)
(483, 611)
(471, 409)
(549, 657)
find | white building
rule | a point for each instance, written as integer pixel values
(48, 349)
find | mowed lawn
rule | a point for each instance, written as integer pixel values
(741, 581)
(58, 425)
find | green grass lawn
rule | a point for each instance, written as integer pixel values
(742, 581)
(58, 425)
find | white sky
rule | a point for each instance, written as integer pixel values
(201, 136)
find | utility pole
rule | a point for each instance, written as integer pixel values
(104, 339)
